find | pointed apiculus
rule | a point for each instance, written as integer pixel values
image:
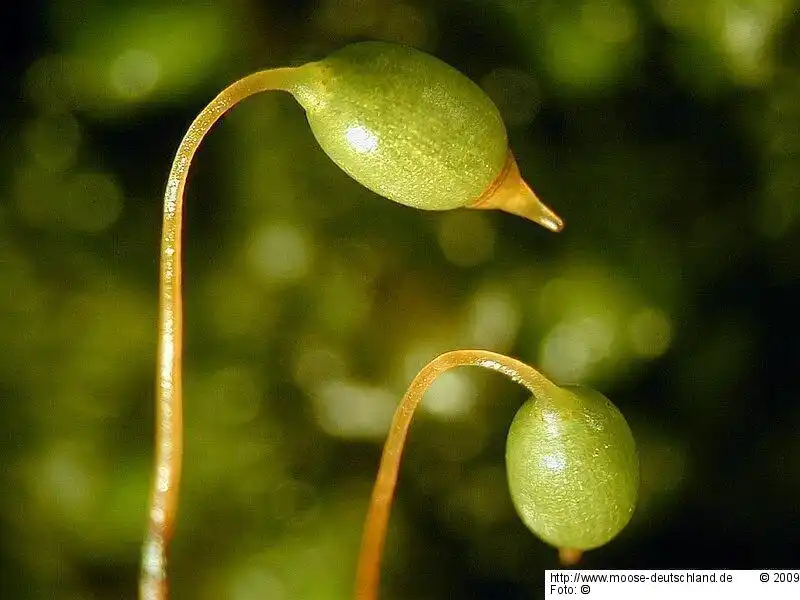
(510, 193)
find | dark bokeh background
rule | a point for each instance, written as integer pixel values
(665, 132)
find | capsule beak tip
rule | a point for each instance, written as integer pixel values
(540, 213)
(510, 193)
(554, 224)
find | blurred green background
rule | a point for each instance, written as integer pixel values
(665, 132)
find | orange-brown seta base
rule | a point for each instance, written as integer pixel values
(569, 556)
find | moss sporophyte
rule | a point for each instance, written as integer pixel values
(416, 131)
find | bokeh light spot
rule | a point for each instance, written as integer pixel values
(94, 201)
(134, 73)
(387, 20)
(255, 581)
(451, 395)
(63, 483)
(237, 389)
(353, 410)
(466, 238)
(572, 347)
(280, 252)
(47, 83)
(316, 364)
(493, 320)
(649, 332)
(610, 22)
(53, 140)
(515, 93)
(89, 202)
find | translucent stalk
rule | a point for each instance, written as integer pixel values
(169, 402)
(374, 536)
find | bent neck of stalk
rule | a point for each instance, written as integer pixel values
(375, 526)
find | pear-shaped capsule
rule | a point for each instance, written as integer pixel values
(572, 466)
(413, 129)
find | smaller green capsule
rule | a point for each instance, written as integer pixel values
(573, 471)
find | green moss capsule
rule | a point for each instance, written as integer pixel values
(415, 130)
(405, 124)
(573, 472)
